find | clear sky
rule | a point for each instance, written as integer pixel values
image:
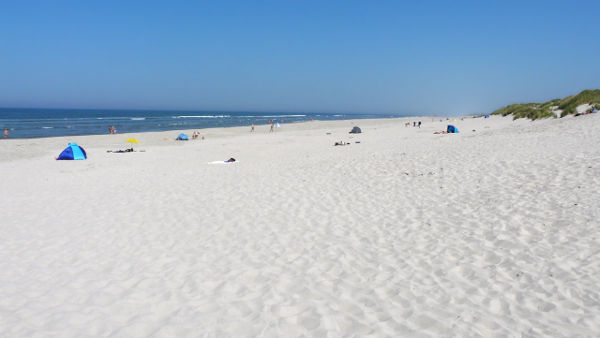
(296, 56)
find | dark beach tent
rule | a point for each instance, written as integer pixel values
(72, 152)
(355, 130)
(452, 129)
(182, 137)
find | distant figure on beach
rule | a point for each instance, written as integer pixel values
(272, 125)
(195, 135)
(252, 127)
(419, 124)
(5, 132)
(231, 159)
(112, 130)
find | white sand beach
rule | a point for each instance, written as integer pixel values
(490, 232)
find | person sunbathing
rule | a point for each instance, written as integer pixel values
(231, 159)
(130, 150)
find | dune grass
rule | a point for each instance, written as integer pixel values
(569, 104)
(531, 111)
(535, 111)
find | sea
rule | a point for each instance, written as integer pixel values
(34, 123)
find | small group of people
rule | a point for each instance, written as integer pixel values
(112, 130)
(415, 124)
(592, 110)
(342, 143)
(273, 124)
(196, 134)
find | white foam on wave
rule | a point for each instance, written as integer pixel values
(280, 116)
(258, 116)
(137, 118)
(200, 116)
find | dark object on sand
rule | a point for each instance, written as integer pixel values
(231, 159)
(452, 129)
(355, 130)
(129, 150)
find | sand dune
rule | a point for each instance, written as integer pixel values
(489, 232)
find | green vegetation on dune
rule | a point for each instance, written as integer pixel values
(535, 111)
(527, 110)
(569, 104)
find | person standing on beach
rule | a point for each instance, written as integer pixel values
(5, 132)
(252, 127)
(272, 125)
(419, 124)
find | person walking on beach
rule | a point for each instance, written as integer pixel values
(252, 127)
(272, 125)
(5, 132)
(419, 124)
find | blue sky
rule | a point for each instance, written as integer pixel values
(296, 56)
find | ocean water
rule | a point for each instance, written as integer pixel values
(31, 123)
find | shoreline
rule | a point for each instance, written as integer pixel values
(41, 127)
(161, 138)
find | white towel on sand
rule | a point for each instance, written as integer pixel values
(222, 162)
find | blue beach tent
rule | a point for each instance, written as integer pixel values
(182, 137)
(72, 152)
(452, 129)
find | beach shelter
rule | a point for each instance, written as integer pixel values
(355, 130)
(182, 137)
(452, 129)
(72, 152)
(132, 141)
